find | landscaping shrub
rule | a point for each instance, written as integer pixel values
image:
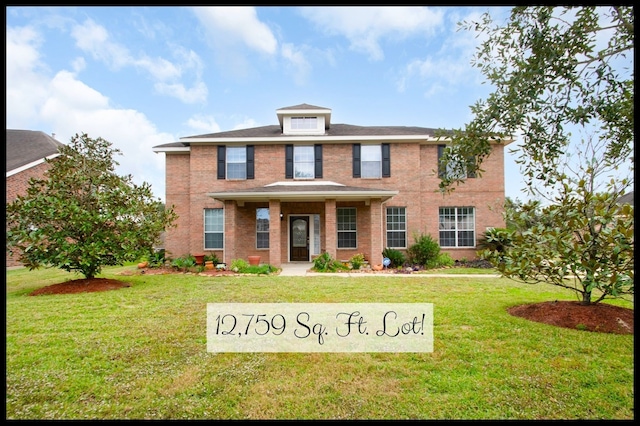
(239, 265)
(184, 263)
(357, 261)
(424, 251)
(325, 263)
(395, 256)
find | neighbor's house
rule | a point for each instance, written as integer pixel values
(26, 154)
(290, 191)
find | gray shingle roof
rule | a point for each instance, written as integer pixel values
(335, 130)
(27, 146)
(626, 198)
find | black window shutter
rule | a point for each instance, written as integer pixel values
(222, 155)
(386, 160)
(318, 159)
(288, 153)
(356, 160)
(250, 174)
(441, 168)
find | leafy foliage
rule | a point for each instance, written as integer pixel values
(156, 258)
(325, 263)
(585, 233)
(553, 69)
(424, 251)
(396, 257)
(82, 215)
(184, 263)
(239, 265)
(357, 260)
(495, 239)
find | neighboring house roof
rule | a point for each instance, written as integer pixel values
(28, 148)
(626, 198)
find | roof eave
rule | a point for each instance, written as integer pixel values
(306, 196)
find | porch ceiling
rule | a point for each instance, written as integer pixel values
(304, 191)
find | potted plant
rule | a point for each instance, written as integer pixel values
(254, 260)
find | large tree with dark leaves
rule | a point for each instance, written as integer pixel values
(82, 216)
(554, 69)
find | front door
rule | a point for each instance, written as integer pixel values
(299, 238)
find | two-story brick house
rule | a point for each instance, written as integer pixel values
(290, 191)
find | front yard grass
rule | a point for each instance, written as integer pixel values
(140, 353)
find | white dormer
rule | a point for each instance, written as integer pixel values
(304, 119)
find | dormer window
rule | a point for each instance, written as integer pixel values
(304, 120)
(304, 123)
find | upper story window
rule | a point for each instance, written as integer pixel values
(304, 123)
(452, 170)
(371, 161)
(235, 162)
(303, 162)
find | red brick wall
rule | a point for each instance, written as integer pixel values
(17, 185)
(413, 173)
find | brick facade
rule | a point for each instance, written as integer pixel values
(192, 174)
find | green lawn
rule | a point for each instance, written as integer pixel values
(140, 353)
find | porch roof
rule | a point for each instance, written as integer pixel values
(304, 191)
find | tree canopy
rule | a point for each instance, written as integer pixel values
(82, 216)
(554, 69)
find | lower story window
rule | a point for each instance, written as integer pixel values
(346, 224)
(213, 229)
(396, 227)
(262, 228)
(457, 227)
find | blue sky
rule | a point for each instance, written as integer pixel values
(144, 76)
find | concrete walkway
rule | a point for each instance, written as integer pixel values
(303, 269)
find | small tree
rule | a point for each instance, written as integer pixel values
(584, 233)
(83, 216)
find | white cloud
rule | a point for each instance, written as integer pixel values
(64, 105)
(25, 79)
(203, 124)
(237, 24)
(366, 27)
(298, 65)
(94, 39)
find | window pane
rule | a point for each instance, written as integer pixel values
(262, 240)
(262, 219)
(371, 161)
(236, 155)
(237, 163)
(396, 227)
(213, 228)
(262, 227)
(303, 162)
(457, 226)
(346, 225)
(347, 240)
(213, 241)
(371, 169)
(213, 220)
(448, 238)
(316, 234)
(236, 171)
